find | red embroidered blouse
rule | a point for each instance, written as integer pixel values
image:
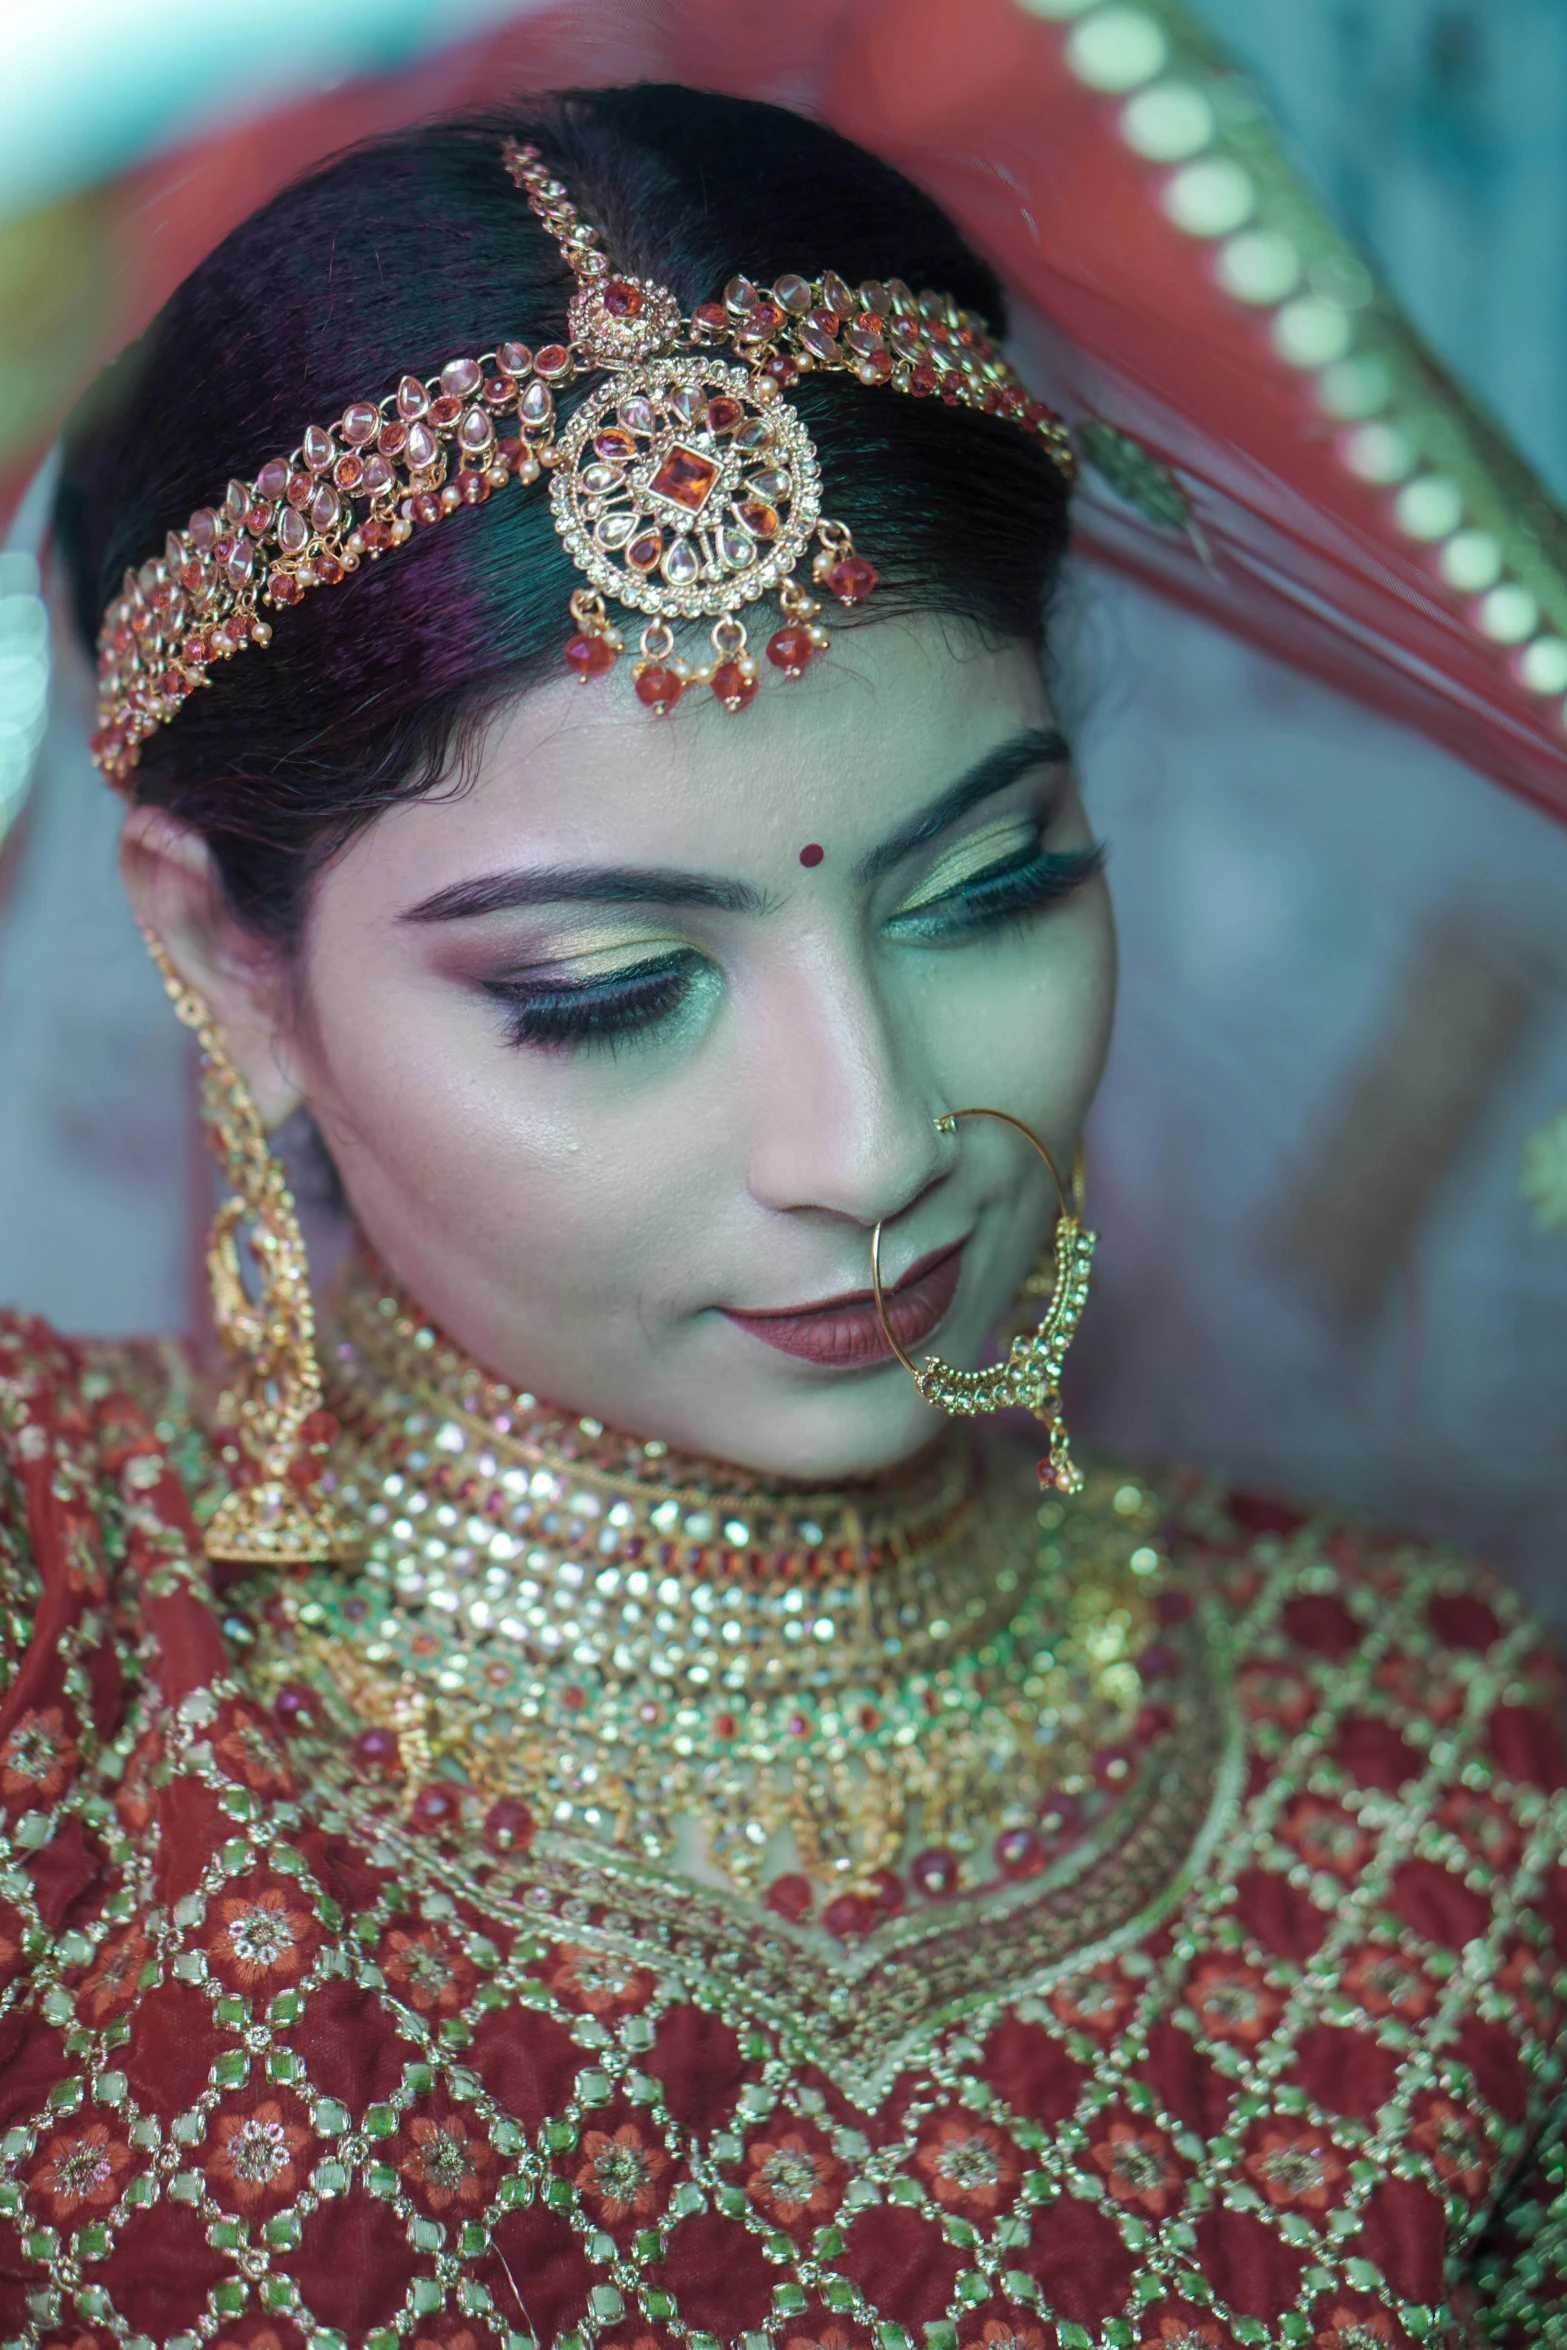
(278, 2068)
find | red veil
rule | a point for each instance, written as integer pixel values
(1341, 975)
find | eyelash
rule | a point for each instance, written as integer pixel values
(605, 1012)
(560, 1019)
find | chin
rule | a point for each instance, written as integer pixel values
(850, 1429)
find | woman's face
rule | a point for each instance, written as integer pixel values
(623, 1051)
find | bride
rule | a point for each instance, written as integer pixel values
(583, 1798)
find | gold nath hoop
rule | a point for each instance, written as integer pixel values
(1030, 1377)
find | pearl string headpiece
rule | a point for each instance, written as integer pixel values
(684, 486)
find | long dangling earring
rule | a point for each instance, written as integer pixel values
(275, 1514)
(1030, 1377)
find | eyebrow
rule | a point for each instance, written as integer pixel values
(1037, 746)
(639, 885)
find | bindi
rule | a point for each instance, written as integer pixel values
(812, 853)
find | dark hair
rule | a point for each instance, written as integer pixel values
(410, 250)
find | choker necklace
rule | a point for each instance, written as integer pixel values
(923, 1684)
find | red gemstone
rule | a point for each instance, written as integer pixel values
(472, 488)
(425, 507)
(791, 650)
(685, 478)
(1060, 1818)
(712, 317)
(1113, 1766)
(761, 320)
(283, 588)
(301, 489)
(553, 361)
(1018, 1852)
(887, 1891)
(377, 1750)
(621, 298)
(304, 1471)
(660, 688)
(724, 1725)
(589, 656)
(759, 517)
(733, 686)
(392, 439)
(724, 415)
(328, 570)
(644, 552)
(258, 519)
(349, 471)
(295, 1707)
(435, 1807)
(376, 531)
(852, 579)
(508, 1825)
(1158, 1661)
(789, 1897)
(1173, 1607)
(851, 1914)
(614, 442)
(783, 369)
(922, 379)
(935, 1873)
(442, 414)
(194, 651)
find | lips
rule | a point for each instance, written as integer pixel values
(845, 1332)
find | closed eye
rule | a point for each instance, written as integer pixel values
(1028, 881)
(559, 1016)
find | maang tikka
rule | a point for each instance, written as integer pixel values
(272, 1428)
(685, 486)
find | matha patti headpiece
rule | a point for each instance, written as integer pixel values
(684, 487)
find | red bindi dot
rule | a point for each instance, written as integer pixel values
(811, 854)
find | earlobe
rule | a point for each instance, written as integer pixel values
(176, 897)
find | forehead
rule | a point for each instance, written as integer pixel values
(880, 724)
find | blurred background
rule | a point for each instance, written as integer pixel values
(1330, 1163)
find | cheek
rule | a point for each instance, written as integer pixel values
(458, 1152)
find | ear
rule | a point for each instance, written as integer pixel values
(175, 893)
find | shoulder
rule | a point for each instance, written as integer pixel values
(74, 1415)
(1403, 1721)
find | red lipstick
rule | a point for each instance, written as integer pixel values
(845, 1332)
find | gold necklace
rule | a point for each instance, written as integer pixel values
(924, 1682)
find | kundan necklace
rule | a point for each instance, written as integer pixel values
(847, 1699)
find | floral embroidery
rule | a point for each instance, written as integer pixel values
(1297, 2167)
(967, 2162)
(833, 2338)
(1138, 2166)
(1458, 2153)
(37, 1758)
(1346, 2330)
(261, 1938)
(1098, 2003)
(1278, 1693)
(1326, 1837)
(113, 1980)
(446, 2161)
(1232, 2002)
(999, 2334)
(1483, 1826)
(790, 2178)
(251, 1754)
(81, 2167)
(265, 2339)
(256, 2152)
(1182, 2333)
(621, 2173)
(427, 1971)
(604, 1985)
(1385, 1983)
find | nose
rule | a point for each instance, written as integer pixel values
(843, 1120)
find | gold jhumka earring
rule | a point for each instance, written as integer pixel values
(275, 1427)
(1029, 1379)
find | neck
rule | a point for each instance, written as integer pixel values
(831, 1696)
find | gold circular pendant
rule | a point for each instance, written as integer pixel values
(683, 495)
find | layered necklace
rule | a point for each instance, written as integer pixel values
(900, 1690)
